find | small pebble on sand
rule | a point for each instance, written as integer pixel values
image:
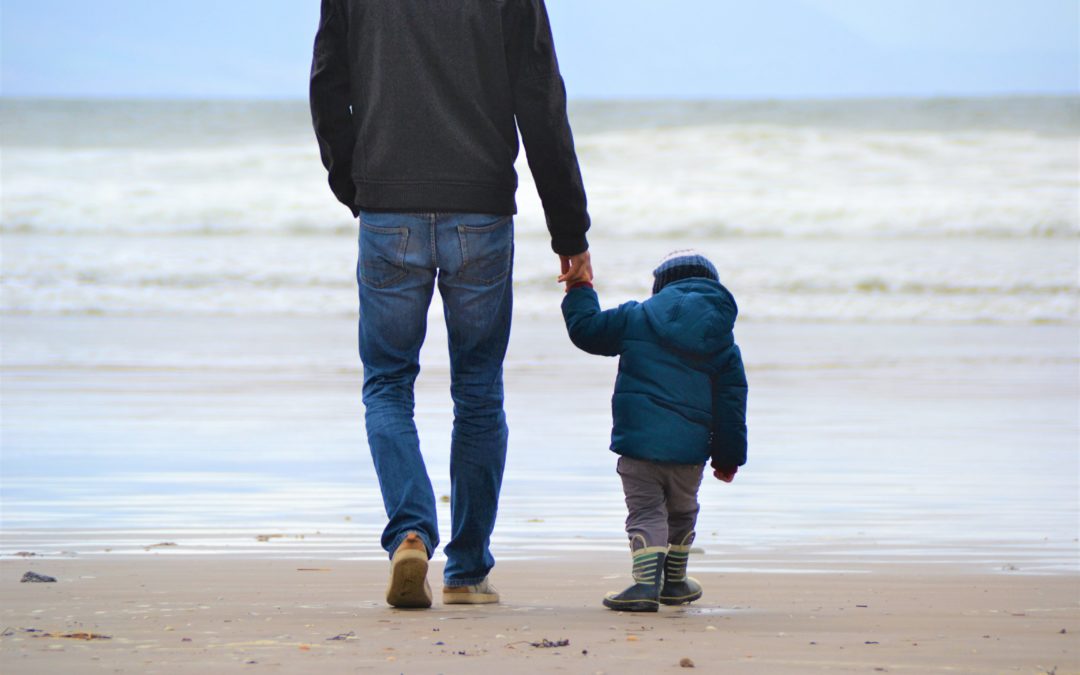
(35, 578)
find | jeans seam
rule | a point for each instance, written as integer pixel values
(483, 229)
(401, 537)
(433, 219)
(458, 583)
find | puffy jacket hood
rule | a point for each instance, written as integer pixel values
(695, 316)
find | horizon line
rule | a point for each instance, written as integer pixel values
(825, 98)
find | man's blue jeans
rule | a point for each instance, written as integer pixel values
(401, 257)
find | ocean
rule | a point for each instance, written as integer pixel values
(935, 210)
(179, 362)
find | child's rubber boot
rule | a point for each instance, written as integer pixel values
(679, 589)
(644, 595)
(408, 575)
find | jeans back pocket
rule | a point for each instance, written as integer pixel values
(382, 255)
(487, 251)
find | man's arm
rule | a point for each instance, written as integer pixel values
(331, 113)
(540, 107)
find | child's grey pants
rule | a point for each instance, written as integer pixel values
(661, 499)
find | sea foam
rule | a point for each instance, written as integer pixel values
(905, 210)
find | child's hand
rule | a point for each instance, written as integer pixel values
(724, 473)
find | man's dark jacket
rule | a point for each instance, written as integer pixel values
(680, 395)
(414, 104)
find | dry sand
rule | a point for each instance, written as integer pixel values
(171, 615)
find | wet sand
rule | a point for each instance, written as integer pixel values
(165, 615)
(910, 506)
(871, 444)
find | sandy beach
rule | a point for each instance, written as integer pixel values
(854, 542)
(166, 615)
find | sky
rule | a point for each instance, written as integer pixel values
(607, 48)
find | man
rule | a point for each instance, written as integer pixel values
(416, 106)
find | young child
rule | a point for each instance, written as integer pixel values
(680, 400)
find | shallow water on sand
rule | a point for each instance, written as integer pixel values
(870, 444)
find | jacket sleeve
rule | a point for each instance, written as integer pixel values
(331, 111)
(591, 330)
(540, 109)
(729, 412)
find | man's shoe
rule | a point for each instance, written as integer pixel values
(679, 589)
(644, 595)
(408, 575)
(482, 593)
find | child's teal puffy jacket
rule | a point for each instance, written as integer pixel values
(680, 395)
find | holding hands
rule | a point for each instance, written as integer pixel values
(575, 269)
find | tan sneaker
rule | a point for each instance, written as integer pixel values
(482, 593)
(408, 575)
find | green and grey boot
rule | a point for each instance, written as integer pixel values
(678, 588)
(644, 595)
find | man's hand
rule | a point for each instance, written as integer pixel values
(576, 268)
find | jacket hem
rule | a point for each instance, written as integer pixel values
(435, 197)
(664, 458)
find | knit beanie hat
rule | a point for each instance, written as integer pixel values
(682, 264)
